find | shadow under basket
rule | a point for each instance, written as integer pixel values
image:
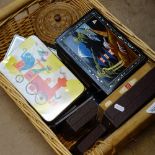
(18, 18)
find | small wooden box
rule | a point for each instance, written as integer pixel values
(16, 18)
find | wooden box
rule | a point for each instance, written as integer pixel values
(17, 18)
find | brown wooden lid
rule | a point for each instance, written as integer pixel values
(53, 19)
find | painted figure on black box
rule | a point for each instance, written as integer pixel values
(101, 48)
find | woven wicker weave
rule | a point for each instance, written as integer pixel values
(23, 18)
(54, 19)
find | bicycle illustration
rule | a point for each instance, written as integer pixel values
(38, 86)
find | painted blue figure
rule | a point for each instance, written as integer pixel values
(28, 60)
(102, 58)
(96, 52)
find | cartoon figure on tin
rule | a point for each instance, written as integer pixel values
(37, 85)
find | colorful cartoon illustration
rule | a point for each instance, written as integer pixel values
(44, 81)
(9, 64)
(43, 54)
(37, 86)
(27, 61)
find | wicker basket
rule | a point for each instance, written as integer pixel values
(17, 18)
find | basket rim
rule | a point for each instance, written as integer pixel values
(12, 7)
(124, 29)
(9, 11)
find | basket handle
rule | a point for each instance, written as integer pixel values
(12, 7)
